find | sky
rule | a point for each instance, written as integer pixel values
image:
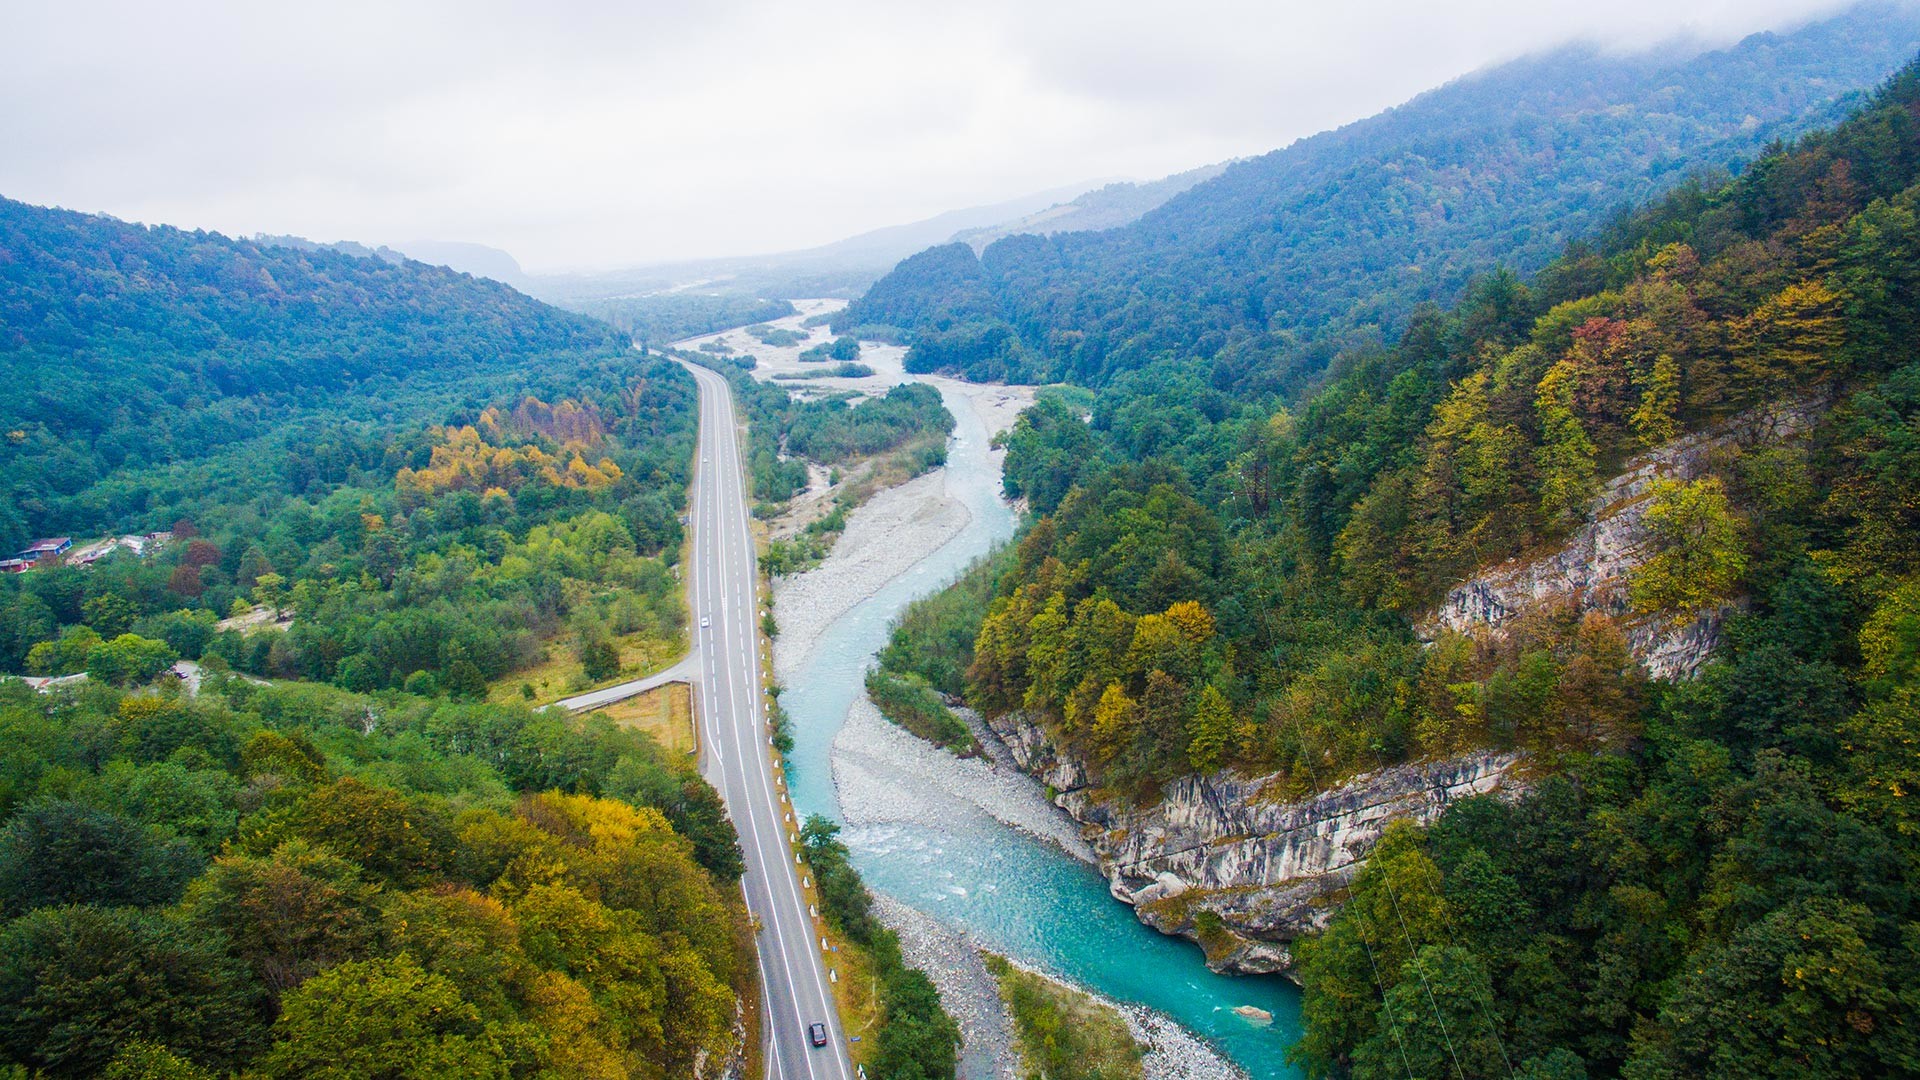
(579, 134)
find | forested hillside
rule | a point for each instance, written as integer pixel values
(128, 349)
(426, 490)
(437, 480)
(298, 882)
(1268, 269)
(1712, 877)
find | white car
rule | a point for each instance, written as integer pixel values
(703, 622)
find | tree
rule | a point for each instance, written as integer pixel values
(129, 659)
(25, 621)
(1209, 731)
(109, 613)
(1793, 339)
(383, 1019)
(1434, 1022)
(287, 916)
(1565, 456)
(919, 1040)
(396, 839)
(1803, 992)
(1698, 557)
(1656, 419)
(144, 1060)
(600, 659)
(65, 853)
(79, 983)
(64, 655)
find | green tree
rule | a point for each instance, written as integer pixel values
(1698, 556)
(1434, 1022)
(383, 1019)
(1803, 992)
(1565, 456)
(1656, 419)
(287, 916)
(1210, 730)
(65, 853)
(129, 659)
(79, 983)
(152, 1061)
(600, 659)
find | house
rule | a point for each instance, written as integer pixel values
(52, 547)
(14, 566)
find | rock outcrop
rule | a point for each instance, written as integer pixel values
(1591, 570)
(1226, 862)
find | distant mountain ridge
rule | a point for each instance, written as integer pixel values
(476, 259)
(1268, 263)
(845, 267)
(1107, 207)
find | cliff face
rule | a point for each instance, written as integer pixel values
(1265, 869)
(1592, 568)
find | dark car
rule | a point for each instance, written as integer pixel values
(817, 1034)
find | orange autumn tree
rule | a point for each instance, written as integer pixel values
(505, 452)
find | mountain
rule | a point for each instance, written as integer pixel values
(476, 259)
(845, 267)
(389, 508)
(202, 343)
(1265, 268)
(1107, 207)
(1539, 690)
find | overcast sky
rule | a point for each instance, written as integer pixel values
(599, 134)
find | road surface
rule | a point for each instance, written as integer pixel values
(685, 670)
(738, 759)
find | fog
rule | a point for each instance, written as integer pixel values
(604, 134)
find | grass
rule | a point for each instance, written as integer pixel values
(665, 712)
(1062, 1033)
(908, 701)
(856, 994)
(560, 675)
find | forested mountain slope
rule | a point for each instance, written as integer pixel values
(1268, 267)
(448, 501)
(126, 347)
(1712, 877)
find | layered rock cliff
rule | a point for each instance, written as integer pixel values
(1592, 568)
(1224, 861)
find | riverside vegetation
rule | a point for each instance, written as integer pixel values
(1711, 877)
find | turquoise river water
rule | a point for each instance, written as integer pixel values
(1012, 893)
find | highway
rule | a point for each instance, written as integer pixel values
(738, 758)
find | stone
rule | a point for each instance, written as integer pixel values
(1592, 568)
(1270, 869)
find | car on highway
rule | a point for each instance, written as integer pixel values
(703, 622)
(817, 1034)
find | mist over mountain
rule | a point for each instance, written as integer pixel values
(1347, 231)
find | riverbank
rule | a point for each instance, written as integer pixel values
(886, 537)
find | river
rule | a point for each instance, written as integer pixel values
(1011, 892)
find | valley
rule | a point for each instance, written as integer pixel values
(1434, 594)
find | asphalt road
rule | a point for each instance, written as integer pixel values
(739, 759)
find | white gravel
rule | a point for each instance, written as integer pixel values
(884, 538)
(884, 776)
